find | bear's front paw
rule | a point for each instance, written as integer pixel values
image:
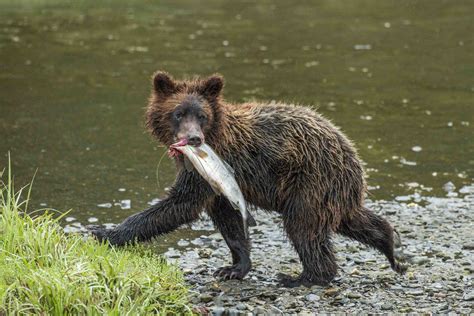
(98, 232)
(237, 271)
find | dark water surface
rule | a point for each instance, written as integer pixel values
(396, 76)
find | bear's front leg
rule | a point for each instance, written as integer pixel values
(229, 222)
(182, 206)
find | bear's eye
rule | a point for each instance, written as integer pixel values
(178, 115)
(202, 117)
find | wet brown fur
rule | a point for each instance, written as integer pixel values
(286, 158)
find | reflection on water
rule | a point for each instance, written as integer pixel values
(397, 77)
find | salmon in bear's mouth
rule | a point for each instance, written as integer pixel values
(172, 152)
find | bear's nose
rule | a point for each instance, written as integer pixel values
(194, 141)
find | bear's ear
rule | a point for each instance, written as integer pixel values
(163, 84)
(212, 86)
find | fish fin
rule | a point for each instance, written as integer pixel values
(234, 205)
(215, 190)
(251, 220)
(188, 165)
(228, 167)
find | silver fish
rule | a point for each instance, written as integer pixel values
(218, 174)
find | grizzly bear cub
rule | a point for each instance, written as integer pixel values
(286, 158)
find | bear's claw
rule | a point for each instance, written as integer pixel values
(237, 272)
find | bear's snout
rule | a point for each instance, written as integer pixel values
(195, 140)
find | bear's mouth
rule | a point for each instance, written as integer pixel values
(175, 153)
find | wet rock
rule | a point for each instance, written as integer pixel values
(312, 297)
(419, 260)
(234, 312)
(109, 225)
(468, 246)
(415, 292)
(216, 236)
(172, 253)
(217, 311)
(241, 306)
(125, 204)
(386, 307)
(205, 253)
(154, 201)
(105, 205)
(469, 296)
(259, 311)
(353, 295)
(197, 242)
(355, 271)
(205, 297)
(468, 189)
(183, 243)
(449, 186)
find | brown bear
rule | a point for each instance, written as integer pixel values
(286, 158)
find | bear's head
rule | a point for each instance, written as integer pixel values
(184, 110)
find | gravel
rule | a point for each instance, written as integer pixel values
(437, 241)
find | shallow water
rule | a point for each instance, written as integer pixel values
(396, 76)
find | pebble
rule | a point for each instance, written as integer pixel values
(355, 271)
(172, 253)
(312, 297)
(205, 252)
(125, 204)
(217, 311)
(449, 186)
(259, 311)
(241, 306)
(105, 205)
(154, 201)
(233, 312)
(469, 296)
(415, 292)
(468, 246)
(353, 295)
(215, 236)
(205, 297)
(92, 219)
(183, 243)
(331, 291)
(420, 260)
(386, 307)
(467, 189)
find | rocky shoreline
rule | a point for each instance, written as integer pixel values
(437, 241)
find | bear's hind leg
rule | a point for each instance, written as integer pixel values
(374, 231)
(313, 245)
(229, 222)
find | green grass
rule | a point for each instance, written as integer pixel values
(45, 271)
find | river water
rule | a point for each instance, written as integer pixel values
(396, 76)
